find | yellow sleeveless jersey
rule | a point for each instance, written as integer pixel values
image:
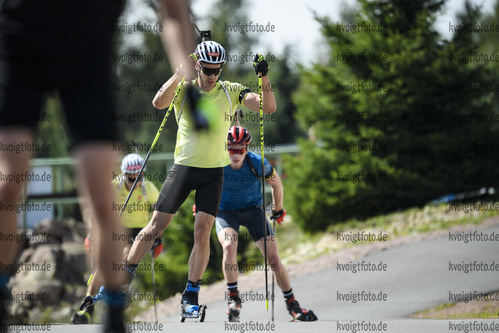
(207, 149)
(138, 210)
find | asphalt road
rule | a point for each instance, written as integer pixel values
(374, 294)
(391, 326)
(406, 279)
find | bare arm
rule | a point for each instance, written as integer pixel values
(165, 94)
(177, 34)
(252, 100)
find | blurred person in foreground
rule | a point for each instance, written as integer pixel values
(65, 48)
(135, 216)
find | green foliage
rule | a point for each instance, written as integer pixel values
(139, 80)
(390, 132)
(52, 125)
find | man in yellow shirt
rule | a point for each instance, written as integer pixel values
(200, 156)
(135, 216)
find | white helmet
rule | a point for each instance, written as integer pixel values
(210, 52)
(132, 163)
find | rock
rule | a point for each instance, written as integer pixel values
(75, 259)
(20, 313)
(39, 263)
(29, 293)
(74, 232)
(50, 280)
(26, 255)
(50, 227)
(73, 293)
(73, 264)
(62, 314)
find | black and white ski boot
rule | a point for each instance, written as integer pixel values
(234, 308)
(189, 306)
(298, 313)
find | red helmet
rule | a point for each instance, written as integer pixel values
(238, 135)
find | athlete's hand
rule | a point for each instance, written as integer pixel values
(278, 216)
(194, 210)
(260, 64)
(157, 247)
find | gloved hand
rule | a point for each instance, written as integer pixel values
(87, 243)
(196, 106)
(278, 216)
(157, 247)
(260, 64)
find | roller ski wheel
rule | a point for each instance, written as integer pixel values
(193, 312)
(233, 315)
(234, 309)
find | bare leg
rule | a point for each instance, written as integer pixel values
(145, 239)
(95, 284)
(228, 239)
(281, 274)
(11, 163)
(95, 168)
(200, 254)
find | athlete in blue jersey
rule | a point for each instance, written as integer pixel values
(242, 205)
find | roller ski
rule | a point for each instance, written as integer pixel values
(298, 313)
(234, 308)
(189, 306)
(83, 317)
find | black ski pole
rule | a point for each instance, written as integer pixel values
(273, 276)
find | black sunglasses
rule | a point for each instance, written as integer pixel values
(131, 179)
(209, 71)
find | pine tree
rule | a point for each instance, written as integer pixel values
(388, 111)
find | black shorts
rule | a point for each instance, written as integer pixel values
(58, 46)
(250, 218)
(181, 180)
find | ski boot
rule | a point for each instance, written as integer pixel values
(83, 317)
(234, 308)
(189, 306)
(298, 313)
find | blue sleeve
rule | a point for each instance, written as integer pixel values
(256, 160)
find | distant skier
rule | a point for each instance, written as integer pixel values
(242, 205)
